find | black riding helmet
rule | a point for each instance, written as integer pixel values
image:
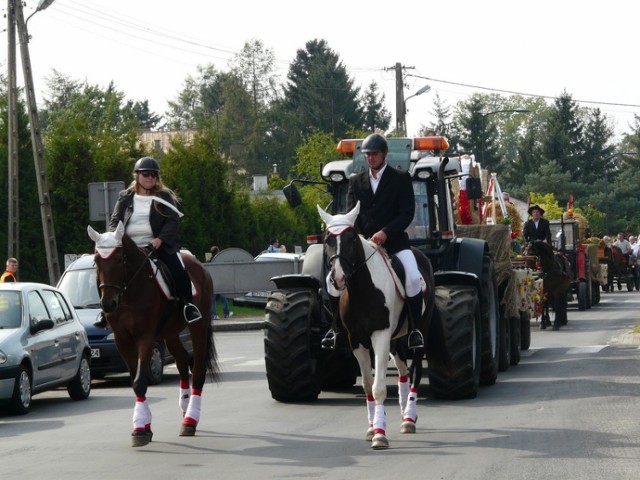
(374, 143)
(147, 164)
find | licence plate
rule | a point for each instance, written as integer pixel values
(95, 353)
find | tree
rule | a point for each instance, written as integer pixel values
(93, 139)
(255, 66)
(199, 101)
(442, 125)
(320, 92)
(376, 115)
(564, 136)
(32, 257)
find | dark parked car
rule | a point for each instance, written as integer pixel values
(78, 282)
(42, 345)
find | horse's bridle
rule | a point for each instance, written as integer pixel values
(354, 267)
(121, 289)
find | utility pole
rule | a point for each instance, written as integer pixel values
(46, 213)
(13, 221)
(401, 122)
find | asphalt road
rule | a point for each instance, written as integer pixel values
(568, 411)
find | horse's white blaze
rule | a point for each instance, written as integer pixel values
(338, 272)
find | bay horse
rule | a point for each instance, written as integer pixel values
(371, 310)
(557, 277)
(140, 312)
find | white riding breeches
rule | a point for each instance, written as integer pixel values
(411, 272)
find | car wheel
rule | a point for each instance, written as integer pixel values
(156, 368)
(21, 398)
(80, 386)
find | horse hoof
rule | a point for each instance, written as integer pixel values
(140, 438)
(408, 427)
(379, 442)
(370, 434)
(187, 430)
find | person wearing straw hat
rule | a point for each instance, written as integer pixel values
(537, 228)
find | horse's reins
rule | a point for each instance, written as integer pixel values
(356, 267)
(125, 284)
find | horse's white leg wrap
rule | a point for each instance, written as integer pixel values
(411, 411)
(380, 420)
(141, 414)
(183, 400)
(371, 409)
(403, 392)
(192, 417)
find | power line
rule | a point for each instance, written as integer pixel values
(520, 93)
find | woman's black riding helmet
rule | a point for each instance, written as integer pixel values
(147, 164)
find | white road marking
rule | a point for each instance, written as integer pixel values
(586, 349)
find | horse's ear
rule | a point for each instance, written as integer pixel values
(119, 231)
(93, 235)
(326, 218)
(353, 214)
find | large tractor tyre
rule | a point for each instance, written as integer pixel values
(453, 350)
(504, 342)
(290, 356)
(582, 296)
(516, 340)
(589, 294)
(525, 331)
(339, 369)
(493, 329)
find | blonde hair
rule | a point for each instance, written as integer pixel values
(157, 188)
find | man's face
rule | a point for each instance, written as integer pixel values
(620, 237)
(12, 267)
(375, 159)
(535, 214)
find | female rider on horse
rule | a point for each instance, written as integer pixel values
(148, 211)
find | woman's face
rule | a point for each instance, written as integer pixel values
(147, 179)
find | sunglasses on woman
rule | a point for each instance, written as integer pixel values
(149, 174)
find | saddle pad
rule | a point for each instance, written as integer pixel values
(158, 274)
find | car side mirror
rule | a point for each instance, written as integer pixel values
(292, 195)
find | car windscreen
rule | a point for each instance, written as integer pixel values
(10, 309)
(81, 288)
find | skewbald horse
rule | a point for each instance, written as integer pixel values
(140, 313)
(371, 307)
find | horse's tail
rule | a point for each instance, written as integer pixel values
(213, 367)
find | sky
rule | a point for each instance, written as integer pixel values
(458, 47)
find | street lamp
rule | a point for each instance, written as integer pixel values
(606, 186)
(484, 125)
(424, 89)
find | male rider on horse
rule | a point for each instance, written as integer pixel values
(537, 228)
(148, 211)
(387, 206)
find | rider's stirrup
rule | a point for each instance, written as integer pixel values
(191, 313)
(415, 340)
(100, 322)
(329, 340)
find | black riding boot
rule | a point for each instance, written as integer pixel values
(101, 321)
(334, 337)
(414, 304)
(183, 284)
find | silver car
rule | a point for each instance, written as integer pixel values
(42, 345)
